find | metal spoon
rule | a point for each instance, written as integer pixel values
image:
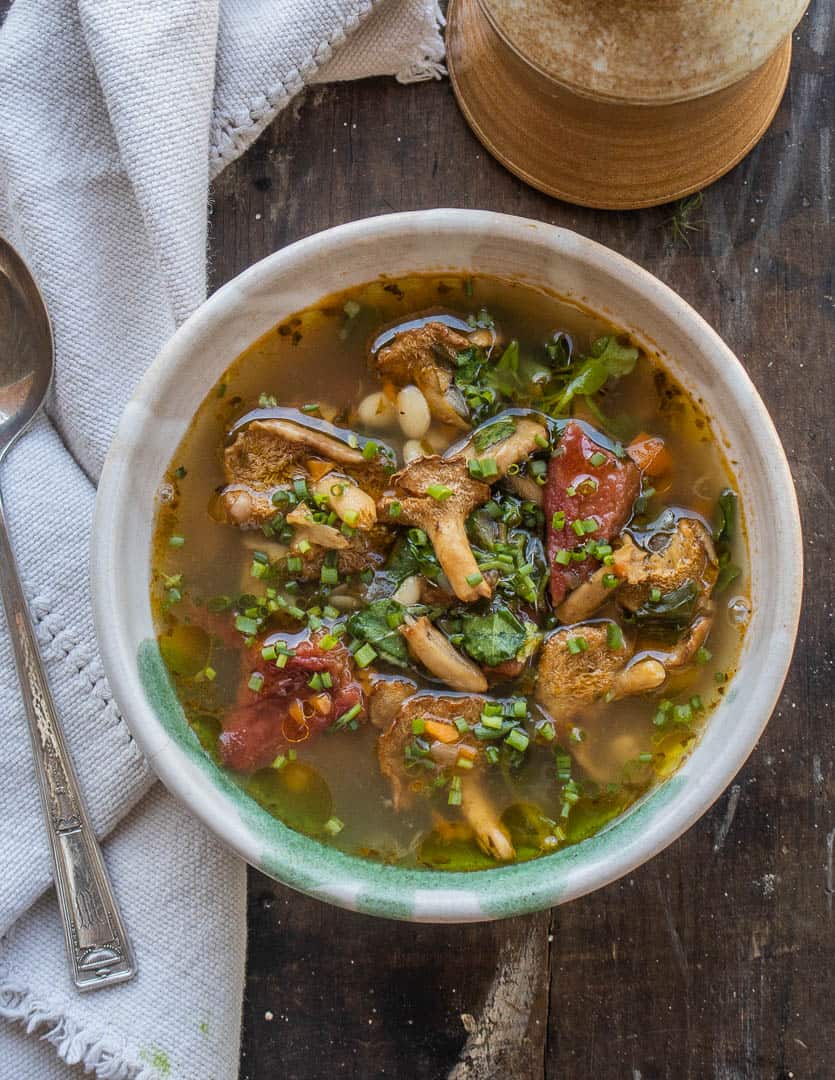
(97, 945)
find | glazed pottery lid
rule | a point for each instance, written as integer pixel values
(649, 51)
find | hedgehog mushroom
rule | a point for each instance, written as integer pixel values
(437, 495)
(425, 356)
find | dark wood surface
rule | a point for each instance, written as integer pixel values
(716, 958)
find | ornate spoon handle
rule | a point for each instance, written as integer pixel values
(97, 945)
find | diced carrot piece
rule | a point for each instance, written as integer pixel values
(444, 733)
(650, 454)
(318, 469)
(466, 751)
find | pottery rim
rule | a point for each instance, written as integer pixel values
(472, 241)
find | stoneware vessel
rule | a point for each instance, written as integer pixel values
(620, 103)
(472, 241)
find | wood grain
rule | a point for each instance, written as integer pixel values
(714, 959)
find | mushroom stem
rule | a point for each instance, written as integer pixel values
(481, 815)
(428, 645)
(348, 501)
(449, 539)
(637, 679)
(313, 531)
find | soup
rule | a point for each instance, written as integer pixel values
(448, 572)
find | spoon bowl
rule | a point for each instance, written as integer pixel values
(26, 355)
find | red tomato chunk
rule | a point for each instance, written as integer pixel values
(286, 710)
(586, 483)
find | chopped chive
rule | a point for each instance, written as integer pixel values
(541, 442)
(474, 468)
(519, 708)
(547, 731)
(209, 673)
(493, 509)
(311, 407)
(334, 826)
(439, 492)
(295, 612)
(720, 677)
(461, 724)
(614, 636)
(395, 509)
(703, 655)
(518, 739)
(577, 645)
(294, 564)
(492, 754)
(267, 401)
(645, 758)
(495, 723)
(610, 581)
(279, 762)
(655, 595)
(329, 575)
(418, 725)
(597, 459)
(246, 624)
(269, 652)
(558, 520)
(364, 655)
(328, 642)
(256, 681)
(348, 716)
(474, 579)
(176, 541)
(489, 468)
(454, 798)
(562, 557)
(369, 451)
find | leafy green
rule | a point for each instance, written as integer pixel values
(724, 522)
(493, 433)
(517, 377)
(409, 558)
(493, 638)
(724, 531)
(374, 625)
(607, 359)
(674, 609)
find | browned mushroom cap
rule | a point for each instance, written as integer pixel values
(264, 454)
(425, 356)
(385, 696)
(439, 656)
(688, 556)
(442, 515)
(569, 680)
(438, 712)
(520, 444)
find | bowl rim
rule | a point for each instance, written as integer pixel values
(144, 694)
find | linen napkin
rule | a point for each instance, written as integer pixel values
(113, 119)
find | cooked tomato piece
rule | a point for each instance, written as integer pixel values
(586, 483)
(286, 710)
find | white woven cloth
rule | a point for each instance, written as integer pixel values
(113, 118)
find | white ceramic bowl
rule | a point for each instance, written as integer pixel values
(478, 242)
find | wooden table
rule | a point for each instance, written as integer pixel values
(715, 959)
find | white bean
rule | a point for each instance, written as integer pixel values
(409, 591)
(377, 411)
(412, 449)
(413, 413)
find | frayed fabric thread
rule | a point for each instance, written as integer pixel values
(102, 1055)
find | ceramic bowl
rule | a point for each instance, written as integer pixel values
(472, 241)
